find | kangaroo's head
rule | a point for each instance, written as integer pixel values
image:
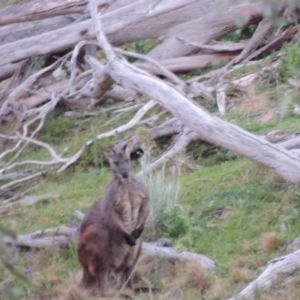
(119, 160)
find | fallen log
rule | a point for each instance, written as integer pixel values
(168, 19)
(40, 9)
(8, 70)
(63, 236)
(277, 268)
(26, 201)
(14, 32)
(17, 183)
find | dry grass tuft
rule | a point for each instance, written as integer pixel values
(239, 275)
(173, 293)
(195, 276)
(248, 247)
(70, 290)
(37, 257)
(239, 262)
(271, 241)
(256, 263)
(173, 276)
(220, 289)
(252, 103)
(267, 297)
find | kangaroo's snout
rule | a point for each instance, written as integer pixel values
(124, 175)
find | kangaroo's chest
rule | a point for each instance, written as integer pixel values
(128, 207)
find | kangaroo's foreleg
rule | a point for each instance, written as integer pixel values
(143, 214)
(119, 226)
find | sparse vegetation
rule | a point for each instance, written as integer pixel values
(165, 211)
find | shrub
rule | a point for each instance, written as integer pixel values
(164, 200)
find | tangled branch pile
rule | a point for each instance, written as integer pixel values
(49, 55)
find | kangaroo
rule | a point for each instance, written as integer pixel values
(110, 234)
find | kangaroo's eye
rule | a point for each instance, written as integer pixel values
(116, 163)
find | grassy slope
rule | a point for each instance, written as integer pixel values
(241, 243)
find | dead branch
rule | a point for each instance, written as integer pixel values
(101, 78)
(13, 102)
(168, 128)
(150, 122)
(138, 116)
(113, 132)
(184, 64)
(60, 237)
(15, 175)
(17, 183)
(44, 94)
(285, 265)
(276, 42)
(127, 109)
(180, 143)
(160, 69)
(221, 97)
(76, 156)
(23, 70)
(171, 253)
(72, 160)
(26, 201)
(41, 114)
(74, 56)
(217, 46)
(63, 235)
(293, 143)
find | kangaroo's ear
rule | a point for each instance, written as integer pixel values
(108, 152)
(128, 148)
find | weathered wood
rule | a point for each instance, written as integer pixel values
(8, 70)
(166, 19)
(189, 63)
(40, 9)
(63, 235)
(14, 32)
(277, 268)
(26, 201)
(12, 101)
(171, 253)
(208, 127)
(16, 183)
(168, 128)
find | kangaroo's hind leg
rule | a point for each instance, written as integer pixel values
(102, 279)
(131, 261)
(88, 280)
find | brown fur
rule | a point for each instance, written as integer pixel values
(109, 239)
